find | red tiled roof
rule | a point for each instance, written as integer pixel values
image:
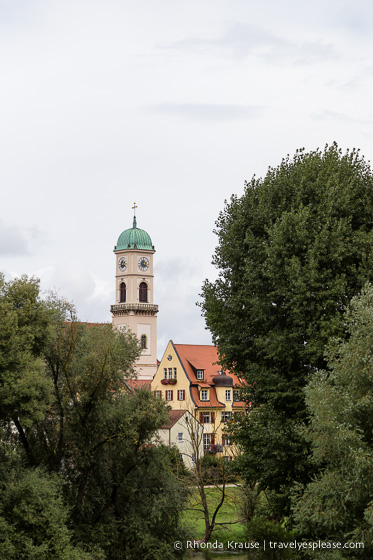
(173, 417)
(212, 403)
(239, 404)
(201, 356)
(139, 383)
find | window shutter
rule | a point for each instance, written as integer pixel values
(201, 417)
(172, 396)
(212, 417)
(212, 439)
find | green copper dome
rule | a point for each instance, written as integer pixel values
(134, 238)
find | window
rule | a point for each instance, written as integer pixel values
(143, 292)
(181, 395)
(204, 395)
(236, 395)
(175, 373)
(143, 341)
(226, 441)
(170, 373)
(206, 418)
(169, 395)
(158, 394)
(228, 395)
(206, 441)
(199, 374)
(165, 372)
(180, 437)
(122, 294)
(225, 416)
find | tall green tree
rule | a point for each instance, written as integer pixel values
(67, 417)
(292, 252)
(338, 504)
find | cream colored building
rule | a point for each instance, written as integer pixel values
(184, 432)
(189, 378)
(134, 308)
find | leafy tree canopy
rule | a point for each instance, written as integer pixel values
(292, 252)
(68, 420)
(338, 504)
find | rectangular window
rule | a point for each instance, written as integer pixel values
(204, 395)
(206, 441)
(169, 395)
(236, 395)
(225, 416)
(170, 373)
(200, 374)
(226, 441)
(175, 373)
(158, 394)
(228, 395)
(165, 373)
(180, 437)
(206, 418)
(181, 395)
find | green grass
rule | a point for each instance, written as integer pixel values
(229, 512)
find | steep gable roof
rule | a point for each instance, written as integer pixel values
(201, 357)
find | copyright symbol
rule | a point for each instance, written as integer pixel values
(178, 545)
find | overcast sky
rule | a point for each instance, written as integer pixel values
(169, 103)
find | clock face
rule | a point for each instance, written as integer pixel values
(143, 263)
(122, 264)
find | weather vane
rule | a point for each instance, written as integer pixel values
(134, 214)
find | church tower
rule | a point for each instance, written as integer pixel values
(134, 308)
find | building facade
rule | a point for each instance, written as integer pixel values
(189, 378)
(185, 432)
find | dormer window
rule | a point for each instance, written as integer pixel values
(204, 395)
(200, 374)
(228, 395)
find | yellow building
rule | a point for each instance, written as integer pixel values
(189, 378)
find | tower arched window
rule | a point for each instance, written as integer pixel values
(143, 341)
(123, 293)
(143, 292)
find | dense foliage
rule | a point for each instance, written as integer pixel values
(338, 504)
(80, 476)
(292, 252)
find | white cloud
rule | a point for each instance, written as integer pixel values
(207, 112)
(19, 240)
(240, 40)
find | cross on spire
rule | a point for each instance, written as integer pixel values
(134, 214)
